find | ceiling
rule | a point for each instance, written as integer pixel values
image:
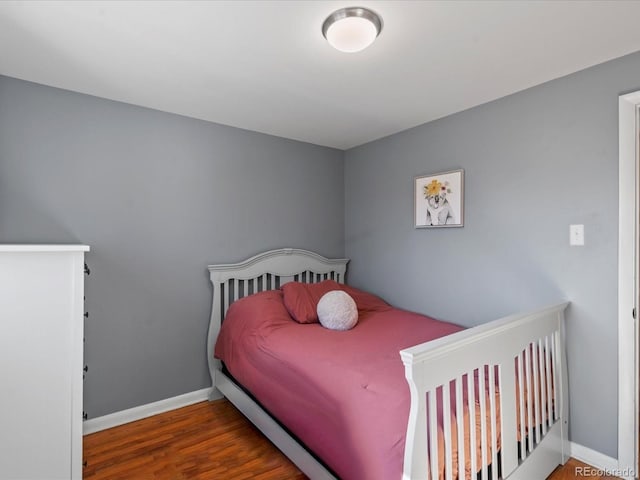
(264, 65)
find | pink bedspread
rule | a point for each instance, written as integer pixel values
(342, 393)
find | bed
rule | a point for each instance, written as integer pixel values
(509, 375)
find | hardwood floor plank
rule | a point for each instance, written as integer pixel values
(205, 441)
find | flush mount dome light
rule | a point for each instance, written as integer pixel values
(351, 29)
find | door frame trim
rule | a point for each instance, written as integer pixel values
(627, 281)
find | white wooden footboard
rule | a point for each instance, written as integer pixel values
(509, 373)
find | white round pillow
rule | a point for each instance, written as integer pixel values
(337, 310)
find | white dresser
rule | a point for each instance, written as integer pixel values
(41, 361)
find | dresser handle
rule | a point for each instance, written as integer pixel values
(86, 314)
(84, 415)
(87, 270)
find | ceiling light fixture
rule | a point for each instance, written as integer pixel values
(351, 29)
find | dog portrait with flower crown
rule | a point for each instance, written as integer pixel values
(439, 200)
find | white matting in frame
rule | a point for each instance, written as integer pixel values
(439, 200)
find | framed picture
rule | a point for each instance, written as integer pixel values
(438, 200)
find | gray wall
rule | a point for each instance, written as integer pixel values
(158, 197)
(534, 163)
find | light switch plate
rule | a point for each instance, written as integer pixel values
(576, 235)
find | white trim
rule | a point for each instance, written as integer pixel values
(579, 452)
(593, 458)
(143, 411)
(627, 292)
(43, 248)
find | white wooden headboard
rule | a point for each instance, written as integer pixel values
(265, 271)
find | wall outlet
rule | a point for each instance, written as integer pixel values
(576, 235)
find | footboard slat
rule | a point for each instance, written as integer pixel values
(554, 379)
(493, 423)
(518, 363)
(522, 424)
(483, 422)
(543, 385)
(548, 369)
(433, 438)
(546, 403)
(508, 420)
(536, 393)
(472, 423)
(459, 412)
(446, 421)
(528, 431)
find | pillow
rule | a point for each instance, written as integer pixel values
(301, 299)
(337, 311)
(366, 302)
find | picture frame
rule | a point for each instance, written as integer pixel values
(438, 200)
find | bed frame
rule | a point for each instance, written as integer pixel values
(523, 354)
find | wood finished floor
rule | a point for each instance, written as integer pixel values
(574, 469)
(205, 441)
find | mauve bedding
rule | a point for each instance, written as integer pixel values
(342, 393)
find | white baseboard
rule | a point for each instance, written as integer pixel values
(593, 458)
(579, 452)
(143, 411)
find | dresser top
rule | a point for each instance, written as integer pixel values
(43, 248)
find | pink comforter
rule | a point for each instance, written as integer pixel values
(342, 393)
